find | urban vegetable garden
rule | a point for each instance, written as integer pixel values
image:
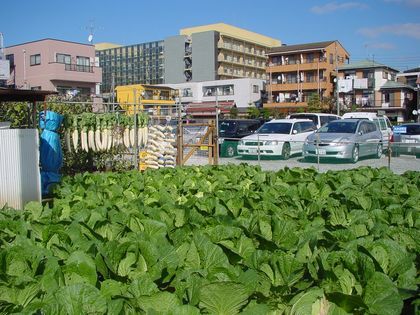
(218, 240)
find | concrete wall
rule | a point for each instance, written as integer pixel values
(204, 56)
(174, 59)
(243, 91)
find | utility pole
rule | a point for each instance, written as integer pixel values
(374, 83)
(336, 81)
(112, 91)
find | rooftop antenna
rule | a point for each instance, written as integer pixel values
(91, 29)
(1, 47)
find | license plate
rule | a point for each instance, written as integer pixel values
(409, 141)
(252, 150)
(321, 151)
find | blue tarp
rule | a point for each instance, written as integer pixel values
(51, 155)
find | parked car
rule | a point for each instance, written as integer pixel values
(319, 119)
(232, 130)
(383, 123)
(345, 139)
(406, 139)
(278, 137)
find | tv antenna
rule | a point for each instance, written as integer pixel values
(91, 28)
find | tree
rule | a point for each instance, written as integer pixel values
(253, 112)
(328, 104)
(233, 112)
(314, 103)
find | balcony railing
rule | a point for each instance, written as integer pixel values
(78, 68)
(295, 62)
(294, 80)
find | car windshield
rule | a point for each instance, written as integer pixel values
(227, 127)
(282, 128)
(339, 127)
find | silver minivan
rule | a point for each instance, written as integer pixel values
(344, 139)
(381, 121)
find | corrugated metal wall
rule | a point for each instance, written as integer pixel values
(19, 167)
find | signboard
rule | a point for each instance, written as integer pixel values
(400, 129)
(4, 70)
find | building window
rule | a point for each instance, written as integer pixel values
(255, 89)
(11, 59)
(36, 88)
(63, 58)
(385, 75)
(331, 59)
(228, 89)
(83, 61)
(64, 89)
(310, 58)
(187, 92)
(35, 60)
(83, 90)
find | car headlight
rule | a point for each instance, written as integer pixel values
(272, 142)
(241, 142)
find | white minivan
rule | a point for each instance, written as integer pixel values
(383, 123)
(320, 119)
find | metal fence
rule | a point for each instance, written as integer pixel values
(324, 156)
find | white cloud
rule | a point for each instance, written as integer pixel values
(334, 6)
(407, 30)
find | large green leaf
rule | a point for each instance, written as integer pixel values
(78, 299)
(80, 268)
(223, 298)
(303, 304)
(162, 302)
(287, 270)
(381, 296)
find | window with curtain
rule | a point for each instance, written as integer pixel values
(83, 61)
(63, 58)
(35, 60)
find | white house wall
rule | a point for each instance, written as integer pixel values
(243, 91)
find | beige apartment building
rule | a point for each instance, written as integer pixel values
(240, 53)
(216, 52)
(295, 72)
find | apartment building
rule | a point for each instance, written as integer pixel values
(372, 86)
(216, 52)
(297, 71)
(54, 65)
(134, 64)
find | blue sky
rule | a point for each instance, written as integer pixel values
(386, 30)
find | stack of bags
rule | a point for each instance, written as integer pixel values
(160, 149)
(169, 150)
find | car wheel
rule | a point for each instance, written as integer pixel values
(355, 154)
(285, 152)
(379, 151)
(230, 151)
